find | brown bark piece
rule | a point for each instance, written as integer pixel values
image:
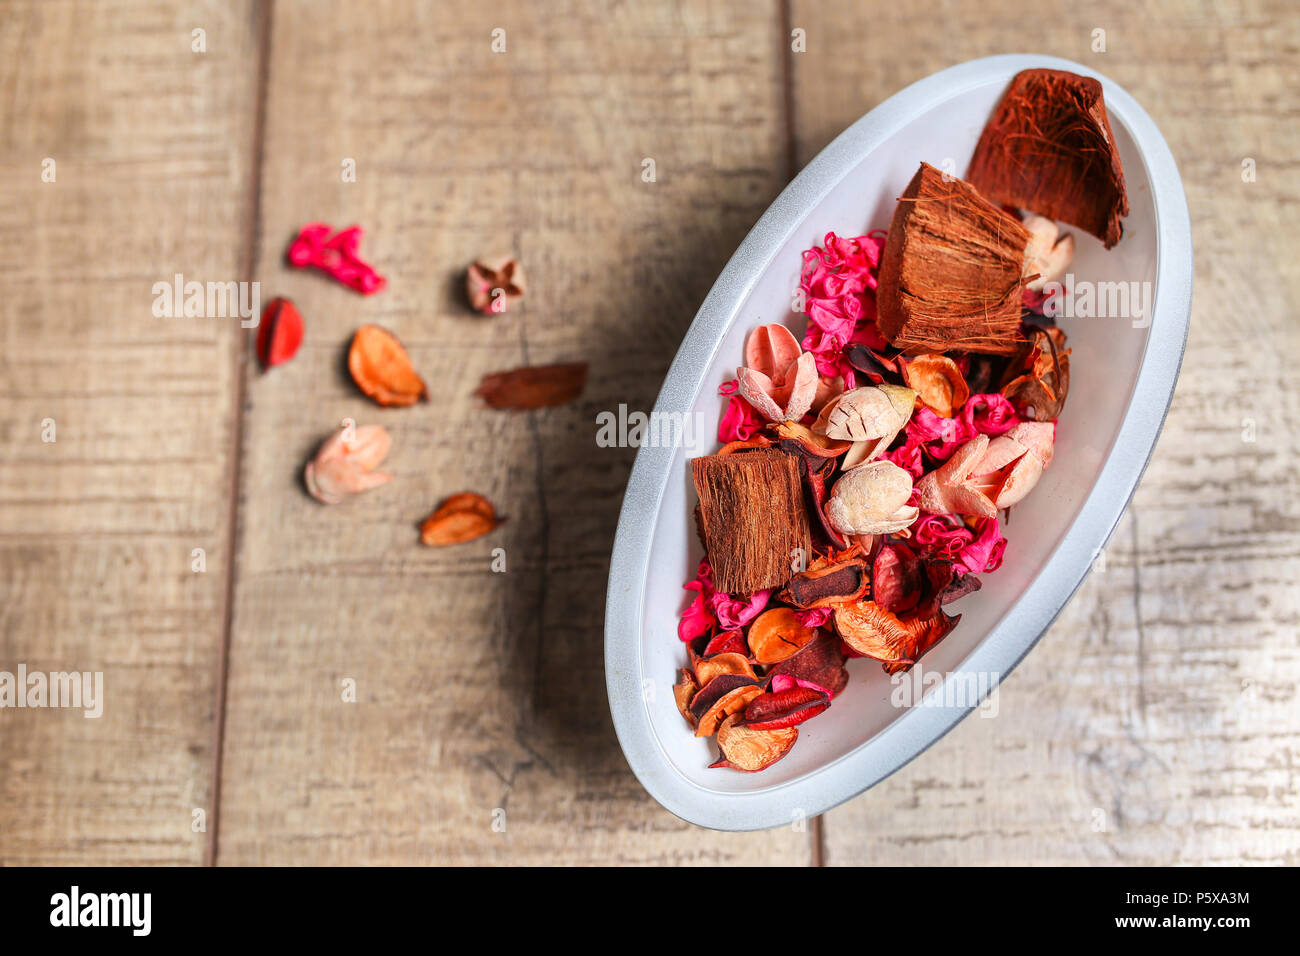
(752, 518)
(1049, 148)
(950, 275)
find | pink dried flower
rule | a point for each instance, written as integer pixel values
(784, 682)
(814, 617)
(714, 608)
(740, 422)
(973, 552)
(778, 379)
(838, 283)
(337, 255)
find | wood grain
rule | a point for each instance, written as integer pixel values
(1155, 722)
(151, 174)
(480, 732)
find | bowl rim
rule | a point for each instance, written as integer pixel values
(1055, 583)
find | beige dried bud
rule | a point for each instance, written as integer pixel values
(870, 417)
(345, 463)
(1048, 254)
(871, 499)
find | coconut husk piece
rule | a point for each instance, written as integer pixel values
(1049, 148)
(950, 274)
(751, 517)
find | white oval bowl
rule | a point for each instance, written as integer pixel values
(1122, 380)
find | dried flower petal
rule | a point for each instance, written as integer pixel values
(685, 689)
(382, 369)
(782, 682)
(777, 634)
(492, 284)
(740, 422)
(820, 661)
(707, 668)
(874, 632)
(534, 386)
(345, 463)
(751, 750)
(724, 695)
(938, 383)
(460, 518)
(279, 333)
(777, 710)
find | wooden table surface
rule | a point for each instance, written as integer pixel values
(1157, 723)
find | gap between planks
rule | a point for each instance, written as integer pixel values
(253, 216)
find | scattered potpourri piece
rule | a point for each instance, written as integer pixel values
(533, 386)
(382, 369)
(345, 463)
(492, 284)
(279, 333)
(460, 518)
(921, 403)
(336, 254)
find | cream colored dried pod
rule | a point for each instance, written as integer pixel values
(863, 414)
(871, 499)
(1048, 254)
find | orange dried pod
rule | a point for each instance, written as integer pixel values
(777, 634)
(749, 750)
(732, 703)
(938, 382)
(382, 369)
(874, 632)
(707, 668)
(460, 518)
(685, 688)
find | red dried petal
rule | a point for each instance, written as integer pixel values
(787, 708)
(279, 334)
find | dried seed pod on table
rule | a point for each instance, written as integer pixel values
(279, 334)
(382, 369)
(460, 518)
(534, 386)
(491, 285)
(345, 463)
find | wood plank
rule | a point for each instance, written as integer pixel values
(151, 178)
(477, 692)
(1154, 724)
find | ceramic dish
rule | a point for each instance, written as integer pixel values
(1123, 375)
